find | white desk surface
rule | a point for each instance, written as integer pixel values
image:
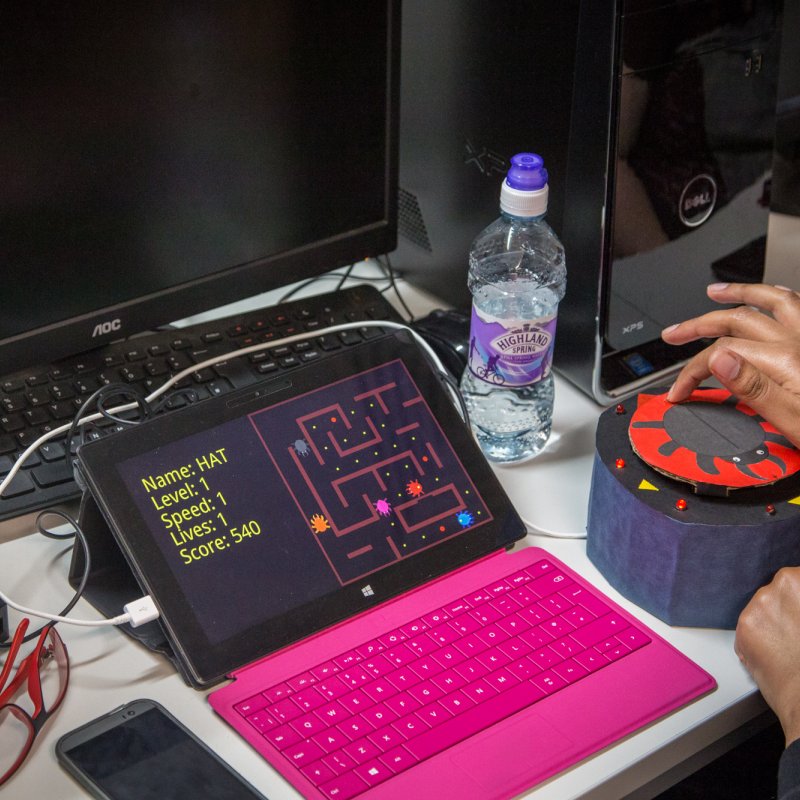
(550, 492)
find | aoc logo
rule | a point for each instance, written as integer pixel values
(109, 326)
(697, 200)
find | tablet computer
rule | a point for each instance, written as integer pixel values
(257, 518)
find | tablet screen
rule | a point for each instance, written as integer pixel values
(260, 516)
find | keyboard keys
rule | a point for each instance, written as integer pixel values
(41, 398)
(376, 710)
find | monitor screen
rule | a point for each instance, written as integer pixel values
(157, 160)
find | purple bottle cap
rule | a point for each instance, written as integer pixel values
(527, 172)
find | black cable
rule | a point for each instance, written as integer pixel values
(190, 394)
(97, 400)
(122, 394)
(390, 274)
(326, 277)
(347, 273)
(76, 534)
(447, 378)
(120, 391)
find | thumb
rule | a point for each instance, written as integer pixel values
(758, 391)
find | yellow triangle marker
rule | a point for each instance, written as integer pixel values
(796, 501)
(646, 485)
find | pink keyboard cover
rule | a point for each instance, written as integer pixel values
(377, 707)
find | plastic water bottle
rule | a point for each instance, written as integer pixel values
(517, 276)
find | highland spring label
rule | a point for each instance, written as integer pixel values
(511, 352)
(523, 341)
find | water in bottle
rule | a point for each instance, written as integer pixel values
(517, 276)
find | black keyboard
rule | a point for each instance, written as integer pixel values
(42, 398)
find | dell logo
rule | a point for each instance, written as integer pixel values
(690, 203)
(698, 199)
(103, 328)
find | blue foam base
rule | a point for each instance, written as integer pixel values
(683, 572)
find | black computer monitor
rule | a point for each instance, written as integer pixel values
(159, 159)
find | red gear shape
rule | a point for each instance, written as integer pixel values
(711, 438)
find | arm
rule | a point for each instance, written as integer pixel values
(756, 354)
(768, 644)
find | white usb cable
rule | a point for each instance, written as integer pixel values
(255, 348)
(144, 610)
(136, 613)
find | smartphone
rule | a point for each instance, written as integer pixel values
(140, 751)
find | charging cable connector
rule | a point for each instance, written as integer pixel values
(136, 613)
(141, 611)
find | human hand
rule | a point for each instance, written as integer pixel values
(756, 354)
(768, 644)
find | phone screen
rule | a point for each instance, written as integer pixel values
(148, 754)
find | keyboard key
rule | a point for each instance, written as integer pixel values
(318, 773)
(283, 736)
(330, 740)
(398, 759)
(361, 750)
(477, 718)
(262, 721)
(343, 787)
(308, 699)
(373, 772)
(308, 725)
(599, 629)
(633, 638)
(285, 710)
(552, 581)
(20, 484)
(303, 753)
(52, 474)
(251, 705)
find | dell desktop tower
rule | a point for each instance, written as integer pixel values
(656, 122)
(668, 178)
